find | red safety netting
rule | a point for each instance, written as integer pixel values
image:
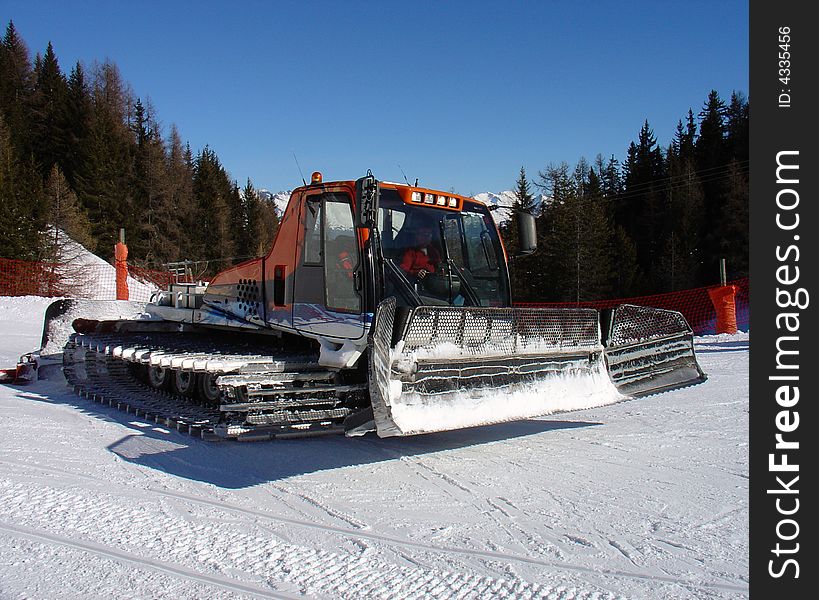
(58, 280)
(98, 281)
(160, 280)
(694, 304)
(24, 278)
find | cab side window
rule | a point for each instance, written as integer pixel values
(312, 231)
(341, 256)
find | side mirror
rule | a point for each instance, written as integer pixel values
(527, 233)
(367, 192)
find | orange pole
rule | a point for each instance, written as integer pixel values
(121, 264)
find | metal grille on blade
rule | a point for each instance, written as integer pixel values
(380, 363)
(640, 323)
(502, 331)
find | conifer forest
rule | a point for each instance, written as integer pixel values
(79, 152)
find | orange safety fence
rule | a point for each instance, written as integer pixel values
(98, 281)
(695, 305)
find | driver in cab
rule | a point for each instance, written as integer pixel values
(422, 258)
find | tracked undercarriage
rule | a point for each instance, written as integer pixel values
(212, 386)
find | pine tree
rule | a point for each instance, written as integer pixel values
(77, 116)
(103, 185)
(641, 207)
(151, 190)
(261, 223)
(16, 89)
(22, 214)
(738, 121)
(735, 222)
(610, 182)
(47, 112)
(521, 268)
(734, 218)
(626, 275)
(181, 222)
(212, 192)
(624, 272)
(249, 244)
(268, 225)
(681, 255)
(237, 224)
(64, 215)
(684, 142)
(577, 236)
(524, 202)
(711, 148)
(553, 235)
(712, 158)
(594, 255)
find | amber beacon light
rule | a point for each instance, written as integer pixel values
(315, 177)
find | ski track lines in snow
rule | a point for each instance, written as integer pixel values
(329, 561)
(141, 562)
(102, 524)
(297, 565)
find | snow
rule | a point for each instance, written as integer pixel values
(278, 199)
(644, 498)
(571, 389)
(21, 324)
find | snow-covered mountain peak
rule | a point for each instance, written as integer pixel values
(503, 203)
(279, 199)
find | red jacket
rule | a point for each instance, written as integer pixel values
(414, 260)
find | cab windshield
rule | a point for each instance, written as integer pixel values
(441, 257)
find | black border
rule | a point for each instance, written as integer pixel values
(774, 128)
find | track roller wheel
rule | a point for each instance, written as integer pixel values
(158, 377)
(206, 387)
(182, 383)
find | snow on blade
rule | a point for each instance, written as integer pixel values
(572, 389)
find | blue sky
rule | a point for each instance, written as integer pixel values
(459, 94)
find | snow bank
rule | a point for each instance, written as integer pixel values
(20, 336)
(21, 319)
(739, 336)
(60, 328)
(92, 277)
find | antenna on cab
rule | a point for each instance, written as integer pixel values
(298, 166)
(402, 173)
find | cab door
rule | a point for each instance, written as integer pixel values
(327, 296)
